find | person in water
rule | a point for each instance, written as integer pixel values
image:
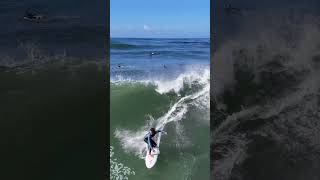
(148, 138)
(29, 15)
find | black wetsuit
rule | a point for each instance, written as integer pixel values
(148, 139)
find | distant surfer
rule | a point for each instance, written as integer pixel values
(29, 15)
(153, 53)
(33, 16)
(232, 10)
(120, 65)
(148, 138)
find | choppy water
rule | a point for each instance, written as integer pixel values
(76, 30)
(52, 90)
(265, 103)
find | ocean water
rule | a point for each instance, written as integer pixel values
(53, 90)
(156, 82)
(69, 29)
(265, 96)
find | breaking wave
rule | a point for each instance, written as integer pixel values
(265, 105)
(189, 90)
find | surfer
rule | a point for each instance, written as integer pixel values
(151, 54)
(232, 10)
(29, 15)
(148, 138)
(32, 15)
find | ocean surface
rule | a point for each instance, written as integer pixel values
(53, 91)
(265, 94)
(156, 82)
(69, 29)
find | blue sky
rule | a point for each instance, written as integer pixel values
(160, 18)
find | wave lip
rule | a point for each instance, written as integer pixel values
(187, 80)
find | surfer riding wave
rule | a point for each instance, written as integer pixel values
(148, 138)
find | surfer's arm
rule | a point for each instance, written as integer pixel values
(162, 131)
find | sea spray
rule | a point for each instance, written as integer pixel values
(118, 171)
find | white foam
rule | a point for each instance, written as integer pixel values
(200, 76)
(132, 141)
(118, 170)
(194, 76)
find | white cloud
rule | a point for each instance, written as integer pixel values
(146, 28)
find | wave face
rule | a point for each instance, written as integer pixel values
(176, 98)
(189, 92)
(265, 103)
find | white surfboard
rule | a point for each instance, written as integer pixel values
(151, 158)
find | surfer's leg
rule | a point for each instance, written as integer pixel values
(146, 141)
(153, 144)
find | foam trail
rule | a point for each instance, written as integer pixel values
(177, 111)
(132, 141)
